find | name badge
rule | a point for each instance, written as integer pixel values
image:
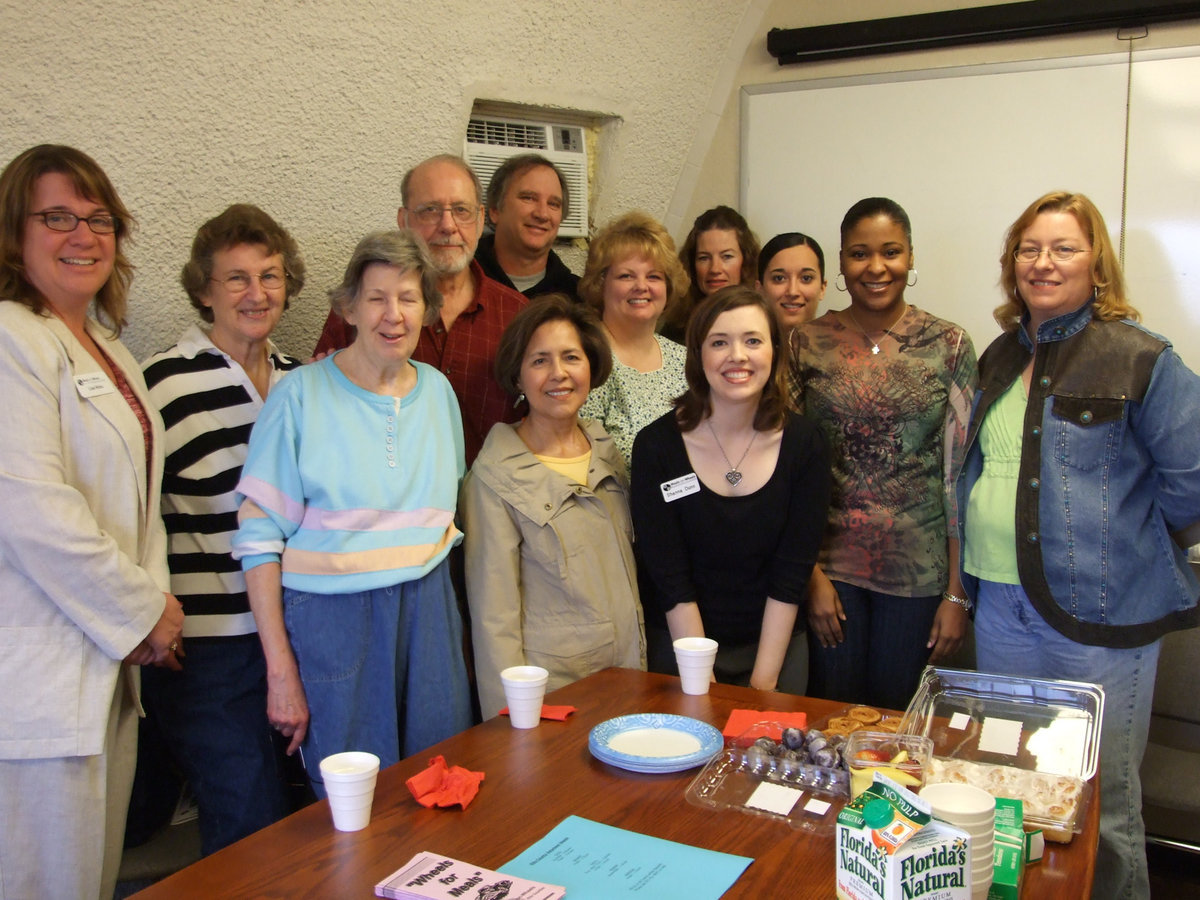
(680, 487)
(93, 384)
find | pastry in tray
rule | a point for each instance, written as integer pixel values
(1051, 802)
(859, 718)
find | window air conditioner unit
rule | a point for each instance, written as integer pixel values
(490, 141)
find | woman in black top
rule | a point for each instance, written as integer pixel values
(729, 498)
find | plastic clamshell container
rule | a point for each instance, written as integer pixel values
(902, 757)
(804, 795)
(1034, 739)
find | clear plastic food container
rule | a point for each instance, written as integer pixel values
(766, 771)
(1035, 740)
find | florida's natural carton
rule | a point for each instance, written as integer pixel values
(889, 847)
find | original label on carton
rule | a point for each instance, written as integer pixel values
(933, 863)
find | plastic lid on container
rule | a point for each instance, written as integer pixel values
(1042, 725)
(878, 814)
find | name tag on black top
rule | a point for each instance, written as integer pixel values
(680, 487)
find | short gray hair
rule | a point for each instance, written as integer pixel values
(402, 248)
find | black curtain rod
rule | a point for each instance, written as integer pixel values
(982, 24)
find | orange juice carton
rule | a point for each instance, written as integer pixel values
(889, 847)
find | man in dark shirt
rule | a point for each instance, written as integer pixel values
(527, 199)
(441, 202)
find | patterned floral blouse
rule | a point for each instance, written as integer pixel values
(897, 424)
(630, 400)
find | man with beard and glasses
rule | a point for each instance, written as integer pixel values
(441, 200)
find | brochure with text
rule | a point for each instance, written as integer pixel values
(430, 876)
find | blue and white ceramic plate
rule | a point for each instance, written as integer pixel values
(654, 742)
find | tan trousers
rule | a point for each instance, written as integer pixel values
(62, 821)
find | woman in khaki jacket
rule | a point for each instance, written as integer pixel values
(545, 508)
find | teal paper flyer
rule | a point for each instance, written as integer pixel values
(600, 862)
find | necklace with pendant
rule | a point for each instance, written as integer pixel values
(734, 475)
(888, 330)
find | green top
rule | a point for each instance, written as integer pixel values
(990, 552)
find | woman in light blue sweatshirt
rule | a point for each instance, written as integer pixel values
(349, 495)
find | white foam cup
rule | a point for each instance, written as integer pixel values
(350, 786)
(524, 688)
(695, 657)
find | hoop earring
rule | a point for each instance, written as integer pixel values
(840, 282)
(913, 273)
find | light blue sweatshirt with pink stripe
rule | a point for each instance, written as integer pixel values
(350, 490)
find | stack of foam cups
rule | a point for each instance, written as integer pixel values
(350, 785)
(974, 811)
(695, 657)
(524, 688)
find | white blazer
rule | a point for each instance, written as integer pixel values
(82, 546)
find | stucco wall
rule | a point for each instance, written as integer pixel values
(314, 109)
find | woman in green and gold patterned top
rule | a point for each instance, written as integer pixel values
(891, 386)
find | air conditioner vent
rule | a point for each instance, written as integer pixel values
(490, 141)
(526, 136)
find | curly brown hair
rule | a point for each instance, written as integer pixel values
(242, 223)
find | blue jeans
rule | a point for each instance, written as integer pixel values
(883, 652)
(1013, 639)
(383, 670)
(213, 719)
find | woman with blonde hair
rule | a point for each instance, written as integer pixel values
(633, 276)
(1080, 482)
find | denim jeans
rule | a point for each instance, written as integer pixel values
(383, 670)
(883, 652)
(1012, 639)
(213, 718)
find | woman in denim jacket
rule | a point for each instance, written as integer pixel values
(1085, 424)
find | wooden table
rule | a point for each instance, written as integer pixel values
(535, 779)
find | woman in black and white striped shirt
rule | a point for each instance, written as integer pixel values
(210, 387)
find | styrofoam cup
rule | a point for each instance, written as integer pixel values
(350, 786)
(695, 657)
(524, 688)
(961, 804)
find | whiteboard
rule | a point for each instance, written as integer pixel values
(965, 150)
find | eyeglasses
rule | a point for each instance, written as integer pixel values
(60, 220)
(431, 213)
(239, 282)
(1058, 254)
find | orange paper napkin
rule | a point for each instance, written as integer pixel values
(742, 719)
(439, 785)
(557, 713)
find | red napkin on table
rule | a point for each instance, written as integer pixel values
(742, 719)
(439, 785)
(557, 713)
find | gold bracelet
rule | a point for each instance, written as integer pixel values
(957, 601)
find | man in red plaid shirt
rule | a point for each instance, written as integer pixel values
(441, 200)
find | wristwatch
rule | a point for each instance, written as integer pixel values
(966, 604)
